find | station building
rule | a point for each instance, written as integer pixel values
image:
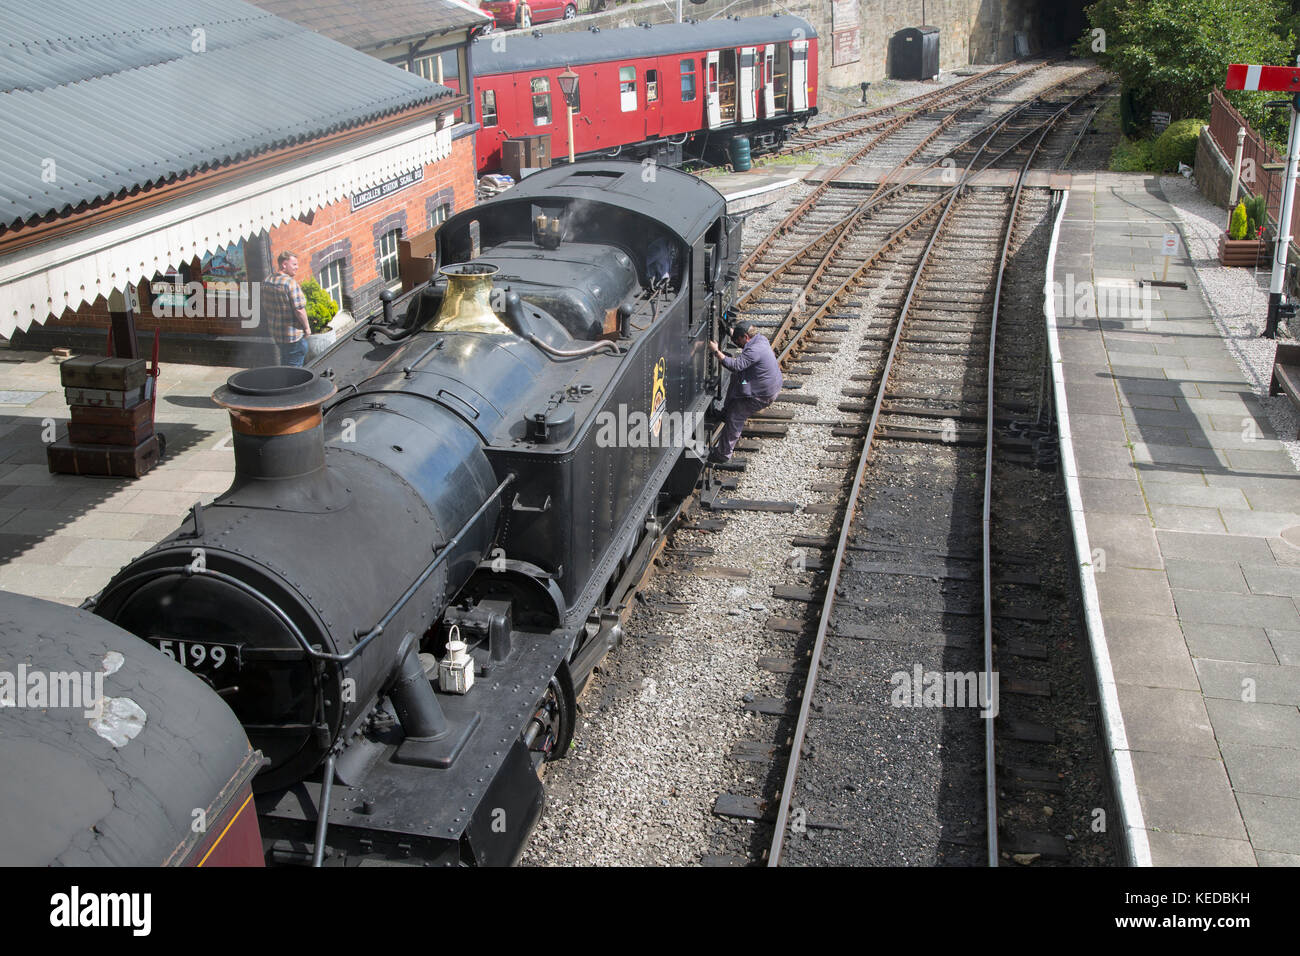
(161, 153)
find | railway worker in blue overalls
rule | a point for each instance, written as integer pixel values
(755, 382)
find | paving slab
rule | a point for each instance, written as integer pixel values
(1266, 770)
(1229, 642)
(1271, 822)
(1195, 507)
(1126, 540)
(1185, 849)
(1239, 722)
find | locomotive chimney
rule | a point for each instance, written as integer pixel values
(275, 418)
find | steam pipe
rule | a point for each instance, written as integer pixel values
(573, 353)
(413, 698)
(323, 813)
(389, 329)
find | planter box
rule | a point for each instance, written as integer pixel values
(320, 343)
(1250, 253)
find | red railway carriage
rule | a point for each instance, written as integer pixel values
(660, 91)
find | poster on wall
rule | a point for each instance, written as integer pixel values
(846, 33)
(225, 269)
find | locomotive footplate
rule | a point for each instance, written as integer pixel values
(478, 810)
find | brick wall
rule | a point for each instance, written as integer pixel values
(336, 232)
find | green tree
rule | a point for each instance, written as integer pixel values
(1237, 222)
(1171, 53)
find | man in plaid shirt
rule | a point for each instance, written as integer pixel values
(285, 308)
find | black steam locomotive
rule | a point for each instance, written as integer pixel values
(432, 532)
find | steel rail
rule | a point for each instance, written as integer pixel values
(801, 726)
(990, 744)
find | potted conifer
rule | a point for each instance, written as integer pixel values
(1246, 242)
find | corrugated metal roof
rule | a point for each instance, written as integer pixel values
(365, 24)
(103, 98)
(509, 52)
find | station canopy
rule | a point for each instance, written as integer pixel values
(107, 108)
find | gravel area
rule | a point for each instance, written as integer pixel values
(1238, 301)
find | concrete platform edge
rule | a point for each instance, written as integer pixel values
(1136, 846)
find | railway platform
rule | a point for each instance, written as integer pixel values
(62, 537)
(1186, 511)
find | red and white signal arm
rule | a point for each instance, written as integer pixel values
(1242, 76)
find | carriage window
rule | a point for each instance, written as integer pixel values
(713, 77)
(489, 111)
(688, 81)
(651, 86)
(627, 88)
(541, 88)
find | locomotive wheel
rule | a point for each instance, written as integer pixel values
(570, 12)
(525, 18)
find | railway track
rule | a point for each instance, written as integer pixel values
(873, 121)
(801, 267)
(907, 507)
(909, 599)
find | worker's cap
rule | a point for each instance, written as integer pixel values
(741, 328)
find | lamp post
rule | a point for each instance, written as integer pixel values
(569, 89)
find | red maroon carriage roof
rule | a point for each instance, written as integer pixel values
(515, 52)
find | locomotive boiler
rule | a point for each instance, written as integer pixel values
(432, 532)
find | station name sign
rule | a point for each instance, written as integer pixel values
(386, 188)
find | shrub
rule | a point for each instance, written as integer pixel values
(1131, 156)
(1237, 222)
(1175, 145)
(321, 309)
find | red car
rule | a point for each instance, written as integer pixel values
(524, 13)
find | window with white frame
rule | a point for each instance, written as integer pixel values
(439, 214)
(331, 280)
(541, 88)
(627, 88)
(388, 257)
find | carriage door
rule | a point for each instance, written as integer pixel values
(798, 75)
(769, 97)
(745, 84)
(712, 99)
(653, 118)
